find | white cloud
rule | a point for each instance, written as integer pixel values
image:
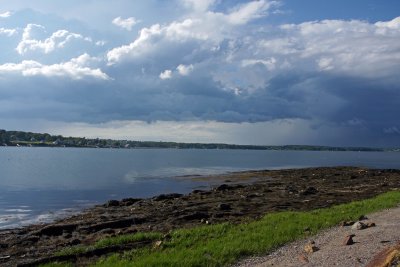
(185, 70)
(269, 63)
(249, 11)
(126, 24)
(100, 43)
(205, 27)
(5, 14)
(393, 24)
(165, 75)
(325, 63)
(198, 5)
(58, 39)
(7, 32)
(352, 47)
(76, 69)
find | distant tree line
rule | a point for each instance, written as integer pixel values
(19, 138)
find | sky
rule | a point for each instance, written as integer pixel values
(256, 72)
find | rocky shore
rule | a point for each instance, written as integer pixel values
(239, 197)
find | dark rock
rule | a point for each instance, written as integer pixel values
(347, 223)
(112, 203)
(362, 218)
(348, 240)
(195, 216)
(291, 189)
(224, 206)
(66, 235)
(309, 191)
(56, 230)
(166, 196)
(106, 231)
(197, 191)
(5, 257)
(113, 224)
(129, 201)
(130, 230)
(223, 187)
(75, 242)
(33, 238)
(371, 224)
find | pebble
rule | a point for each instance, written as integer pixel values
(310, 247)
(348, 240)
(303, 258)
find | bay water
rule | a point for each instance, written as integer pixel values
(40, 184)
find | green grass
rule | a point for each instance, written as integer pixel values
(224, 244)
(111, 241)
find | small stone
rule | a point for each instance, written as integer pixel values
(157, 244)
(303, 258)
(349, 240)
(311, 247)
(371, 224)
(359, 226)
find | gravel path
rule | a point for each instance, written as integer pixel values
(332, 252)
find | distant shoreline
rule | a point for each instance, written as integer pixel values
(28, 139)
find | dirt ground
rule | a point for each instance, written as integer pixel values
(331, 250)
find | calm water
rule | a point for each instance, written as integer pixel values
(37, 184)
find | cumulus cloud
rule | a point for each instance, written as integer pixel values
(206, 27)
(242, 14)
(165, 75)
(269, 63)
(8, 32)
(126, 24)
(76, 69)
(185, 70)
(352, 47)
(214, 62)
(5, 14)
(58, 39)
